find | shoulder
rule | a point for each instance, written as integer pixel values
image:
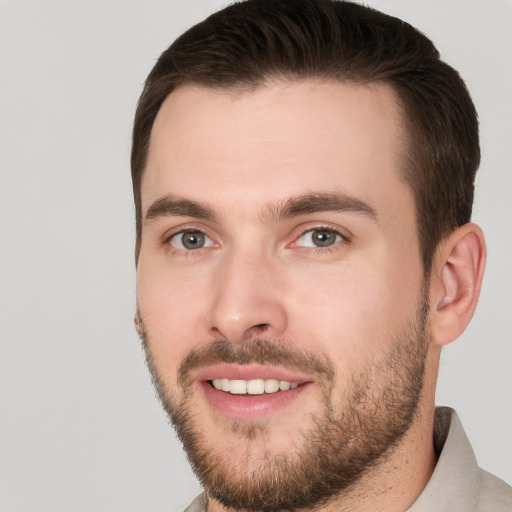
(495, 494)
(458, 483)
(198, 505)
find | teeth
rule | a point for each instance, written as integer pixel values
(238, 387)
(256, 387)
(253, 387)
(271, 385)
(284, 385)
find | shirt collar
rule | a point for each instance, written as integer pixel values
(455, 482)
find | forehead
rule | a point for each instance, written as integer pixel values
(279, 140)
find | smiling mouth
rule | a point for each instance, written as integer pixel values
(253, 386)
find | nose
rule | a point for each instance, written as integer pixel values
(247, 301)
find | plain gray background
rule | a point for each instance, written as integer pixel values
(81, 429)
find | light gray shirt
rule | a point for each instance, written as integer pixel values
(457, 483)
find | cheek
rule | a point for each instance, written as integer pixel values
(340, 320)
(352, 313)
(172, 307)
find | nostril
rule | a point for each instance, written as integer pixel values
(261, 327)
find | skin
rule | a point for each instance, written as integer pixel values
(243, 155)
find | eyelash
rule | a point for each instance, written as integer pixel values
(185, 252)
(312, 250)
(321, 250)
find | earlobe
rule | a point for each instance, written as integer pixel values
(456, 283)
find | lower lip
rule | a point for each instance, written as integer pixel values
(250, 407)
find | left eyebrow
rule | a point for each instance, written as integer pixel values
(316, 203)
(178, 206)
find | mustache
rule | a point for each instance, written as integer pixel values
(256, 351)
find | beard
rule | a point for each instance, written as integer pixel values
(353, 434)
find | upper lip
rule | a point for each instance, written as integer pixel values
(250, 372)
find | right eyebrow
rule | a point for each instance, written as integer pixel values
(317, 203)
(170, 205)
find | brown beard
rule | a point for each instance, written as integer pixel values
(353, 435)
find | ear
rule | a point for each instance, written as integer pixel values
(455, 283)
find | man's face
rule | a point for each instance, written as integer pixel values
(279, 251)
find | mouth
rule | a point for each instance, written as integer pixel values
(253, 386)
(248, 393)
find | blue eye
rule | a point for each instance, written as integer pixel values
(319, 238)
(190, 240)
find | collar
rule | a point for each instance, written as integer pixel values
(455, 482)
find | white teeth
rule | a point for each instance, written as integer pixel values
(284, 385)
(271, 385)
(253, 387)
(238, 387)
(256, 387)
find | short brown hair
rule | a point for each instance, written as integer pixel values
(245, 44)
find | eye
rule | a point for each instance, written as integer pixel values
(190, 240)
(319, 238)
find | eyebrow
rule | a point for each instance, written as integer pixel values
(320, 202)
(170, 205)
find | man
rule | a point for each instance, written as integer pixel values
(303, 176)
